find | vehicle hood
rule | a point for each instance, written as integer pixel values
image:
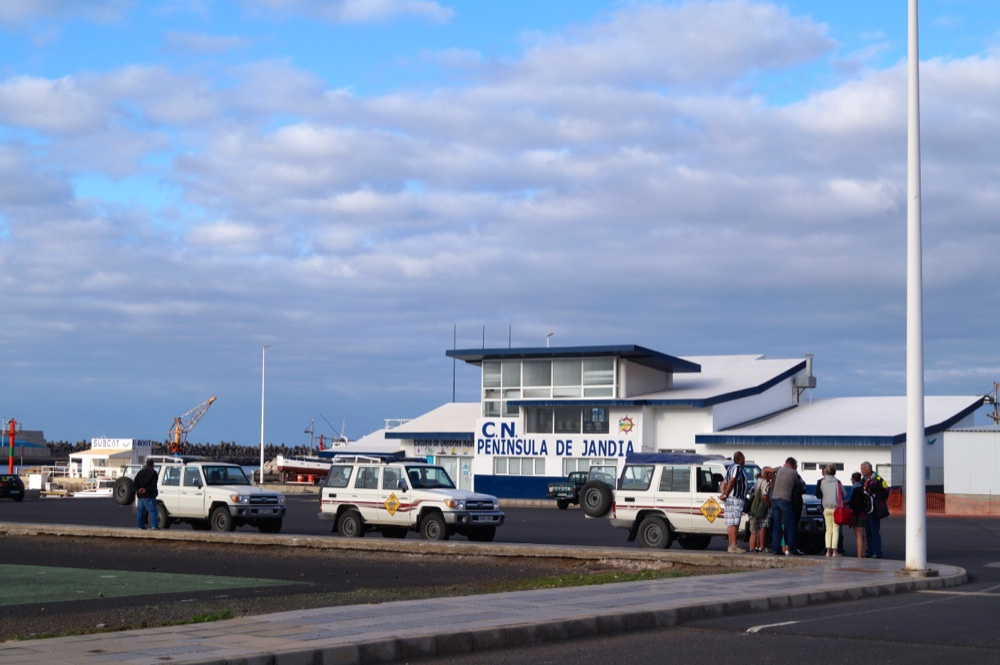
(464, 495)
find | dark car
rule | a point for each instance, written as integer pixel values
(11, 487)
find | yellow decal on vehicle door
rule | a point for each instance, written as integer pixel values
(711, 509)
(392, 504)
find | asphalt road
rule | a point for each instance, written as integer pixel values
(958, 625)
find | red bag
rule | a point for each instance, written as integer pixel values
(842, 515)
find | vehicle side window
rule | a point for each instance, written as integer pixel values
(390, 478)
(192, 478)
(705, 480)
(675, 479)
(637, 477)
(367, 478)
(171, 476)
(338, 477)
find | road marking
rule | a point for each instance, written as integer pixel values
(757, 629)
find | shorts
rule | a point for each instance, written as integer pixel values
(734, 510)
(758, 523)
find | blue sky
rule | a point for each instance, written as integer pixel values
(352, 181)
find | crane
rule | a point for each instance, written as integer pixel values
(182, 425)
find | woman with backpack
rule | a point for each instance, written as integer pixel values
(831, 492)
(861, 505)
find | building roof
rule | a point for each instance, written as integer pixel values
(632, 352)
(103, 452)
(846, 421)
(455, 421)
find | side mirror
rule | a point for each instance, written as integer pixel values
(401, 486)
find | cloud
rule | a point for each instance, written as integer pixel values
(358, 11)
(16, 11)
(192, 42)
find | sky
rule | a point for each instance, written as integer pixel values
(361, 185)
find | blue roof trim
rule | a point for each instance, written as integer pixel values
(440, 436)
(797, 440)
(632, 352)
(942, 426)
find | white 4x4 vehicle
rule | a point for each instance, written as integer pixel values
(208, 495)
(393, 496)
(661, 497)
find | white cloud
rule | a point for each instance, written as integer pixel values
(358, 11)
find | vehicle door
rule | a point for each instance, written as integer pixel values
(707, 507)
(168, 489)
(634, 493)
(336, 487)
(674, 496)
(191, 500)
(365, 495)
(394, 497)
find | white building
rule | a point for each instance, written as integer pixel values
(107, 458)
(547, 411)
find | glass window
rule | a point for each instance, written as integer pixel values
(637, 477)
(567, 420)
(500, 466)
(491, 409)
(491, 374)
(595, 421)
(598, 371)
(514, 466)
(566, 373)
(567, 392)
(367, 478)
(519, 466)
(390, 478)
(538, 421)
(538, 373)
(171, 476)
(192, 477)
(675, 479)
(511, 373)
(338, 476)
(509, 410)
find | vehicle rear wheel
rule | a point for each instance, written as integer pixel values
(562, 504)
(162, 516)
(221, 519)
(484, 534)
(433, 527)
(124, 491)
(269, 526)
(695, 542)
(351, 525)
(655, 532)
(595, 498)
(393, 532)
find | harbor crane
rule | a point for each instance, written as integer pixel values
(183, 424)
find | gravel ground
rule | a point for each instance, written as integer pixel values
(326, 578)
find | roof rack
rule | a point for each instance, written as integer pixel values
(376, 458)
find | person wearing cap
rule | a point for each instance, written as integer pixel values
(145, 495)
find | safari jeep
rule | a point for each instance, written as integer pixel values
(392, 495)
(662, 497)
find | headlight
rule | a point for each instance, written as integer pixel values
(457, 504)
(239, 498)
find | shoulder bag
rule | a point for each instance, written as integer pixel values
(842, 515)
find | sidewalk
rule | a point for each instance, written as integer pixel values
(409, 630)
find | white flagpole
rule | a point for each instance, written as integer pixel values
(916, 507)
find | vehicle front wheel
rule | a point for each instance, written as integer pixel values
(433, 528)
(351, 525)
(221, 519)
(269, 526)
(655, 532)
(595, 498)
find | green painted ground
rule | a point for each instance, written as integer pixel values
(21, 585)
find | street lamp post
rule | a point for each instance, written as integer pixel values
(263, 364)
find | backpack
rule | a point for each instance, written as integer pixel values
(861, 501)
(758, 507)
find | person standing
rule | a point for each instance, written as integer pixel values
(878, 489)
(782, 517)
(145, 496)
(733, 495)
(831, 492)
(762, 497)
(859, 506)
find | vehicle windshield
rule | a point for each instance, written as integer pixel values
(429, 477)
(225, 475)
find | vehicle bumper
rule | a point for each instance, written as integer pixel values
(811, 526)
(476, 518)
(257, 512)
